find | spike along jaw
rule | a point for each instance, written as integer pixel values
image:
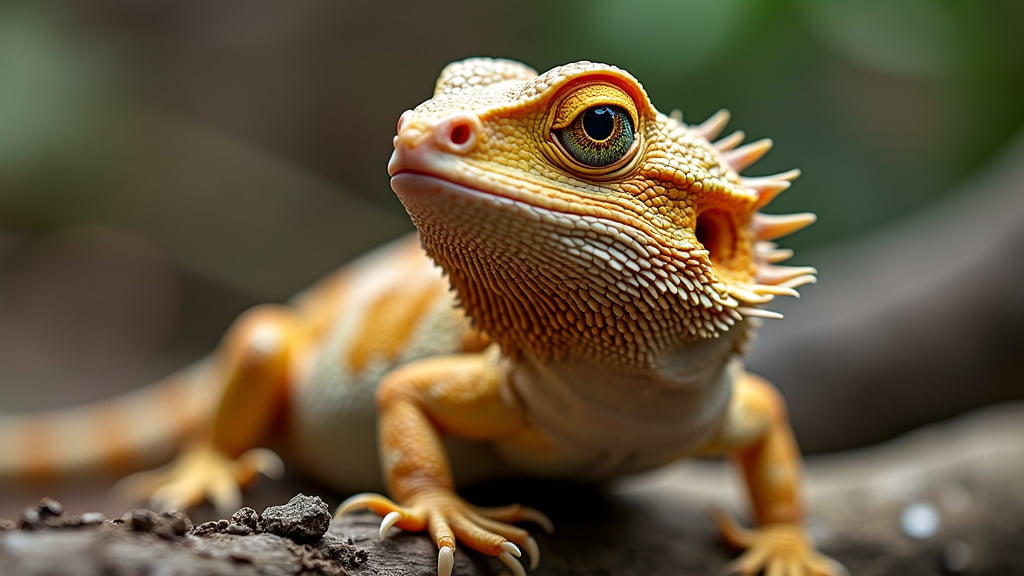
(769, 279)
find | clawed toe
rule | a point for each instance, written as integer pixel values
(819, 566)
(509, 557)
(533, 551)
(199, 473)
(451, 520)
(775, 549)
(518, 513)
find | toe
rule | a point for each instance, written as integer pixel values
(736, 535)
(136, 487)
(448, 519)
(176, 496)
(533, 551)
(821, 565)
(224, 494)
(517, 513)
(749, 563)
(375, 502)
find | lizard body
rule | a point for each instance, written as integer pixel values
(608, 266)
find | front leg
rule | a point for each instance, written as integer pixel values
(253, 367)
(757, 434)
(419, 403)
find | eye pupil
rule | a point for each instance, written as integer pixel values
(599, 123)
(598, 136)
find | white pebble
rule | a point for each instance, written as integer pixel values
(920, 520)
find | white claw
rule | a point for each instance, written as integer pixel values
(445, 560)
(539, 518)
(387, 522)
(512, 564)
(512, 549)
(533, 551)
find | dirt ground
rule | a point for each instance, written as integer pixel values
(943, 500)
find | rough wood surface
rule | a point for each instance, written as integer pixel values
(945, 500)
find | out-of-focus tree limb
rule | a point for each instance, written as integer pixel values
(911, 324)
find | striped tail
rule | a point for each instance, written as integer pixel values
(109, 437)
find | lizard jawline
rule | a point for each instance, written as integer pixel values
(556, 284)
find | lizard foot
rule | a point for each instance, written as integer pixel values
(449, 518)
(199, 473)
(775, 549)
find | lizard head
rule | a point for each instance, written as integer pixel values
(573, 218)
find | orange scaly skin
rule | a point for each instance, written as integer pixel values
(609, 265)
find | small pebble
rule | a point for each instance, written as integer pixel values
(50, 507)
(29, 518)
(920, 520)
(176, 523)
(141, 520)
(238, 529)
(90, 518)
(211, 527)
(246, 517)
(302, 518)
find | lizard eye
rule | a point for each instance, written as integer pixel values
(598, 136)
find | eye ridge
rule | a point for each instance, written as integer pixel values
(599, 136)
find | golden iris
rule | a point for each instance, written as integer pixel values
(599, 136)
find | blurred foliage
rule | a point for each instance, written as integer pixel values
(885, 105)
(245, 142)
(165, 164)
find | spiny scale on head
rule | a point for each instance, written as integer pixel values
(770, 280)
(768, 187)
(731, 141)
(713, 126)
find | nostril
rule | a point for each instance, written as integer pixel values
(460, 133)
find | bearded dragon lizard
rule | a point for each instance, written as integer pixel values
(607, 265)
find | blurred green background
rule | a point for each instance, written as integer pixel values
(165, 164)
